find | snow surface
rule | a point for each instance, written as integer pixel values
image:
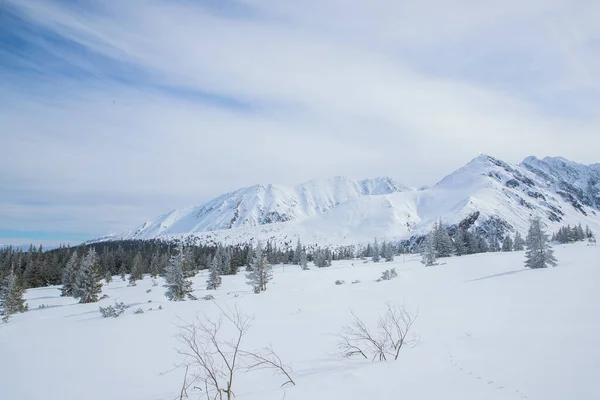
(342, 212)
(488, 329)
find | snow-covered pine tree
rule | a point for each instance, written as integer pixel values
(297, 253)
(188, 264)
(473, 242)
(387, 251)
(539, 253)
(249, 259)
(429, 252)
(442, 241)
(460, 242)
(155, 265)
(519, 242)
(108, 277)
(214, 278)
(507, 243)
(69, 275)
(376, 252)
(368, 251)
(228, 266)
(87, 282)
(483, 244)
(123, 271)
(580, 232)
(320, 258)
(588, 232)
(178, 287)
(494, 245)
(11, 296)
(137, 270)
(261, 272)
(303, 260)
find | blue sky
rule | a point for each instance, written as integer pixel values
(114, 112)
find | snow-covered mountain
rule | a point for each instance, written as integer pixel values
(343, 211)
(260, 205)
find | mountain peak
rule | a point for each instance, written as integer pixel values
(342, 210)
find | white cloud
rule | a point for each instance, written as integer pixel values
(332, 88)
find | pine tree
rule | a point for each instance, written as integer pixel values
(507, 243)
(297, 253)
(539, 253)
(188, 264)
(137, 270)
(387, 251)
(303, 260)
(178, 287)
(473, 243)
(261, 272)
(442, 242)
(11, 296)
(461, 242)
(519, 243)
(376, 252)
(494, 245)
(69, 275)
(155, 265)
(214, 279)
(123, 271)
(108, 277)
(429, 253)
(580, 232)
(249, 259)
(87, 282)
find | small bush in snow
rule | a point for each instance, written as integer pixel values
(148, 291)
(388, 274)
(208, 297)
(138, 311)
(354, 282)
(113, 311)
(104, 296)
(42, 306)
(160, 307)
(340, 282)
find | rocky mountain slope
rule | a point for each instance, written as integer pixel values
(341, 211)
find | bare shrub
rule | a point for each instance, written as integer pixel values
(340, 282)
(216, 358)
(392, 332)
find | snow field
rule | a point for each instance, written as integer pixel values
(487, 328)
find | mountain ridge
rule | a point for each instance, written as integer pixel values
(343, 211)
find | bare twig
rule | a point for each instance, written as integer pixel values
(267, 359)
(394, 326)
(217, 359)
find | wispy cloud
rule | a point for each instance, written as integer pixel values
(114, 112)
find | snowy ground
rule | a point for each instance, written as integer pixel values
(487, 327)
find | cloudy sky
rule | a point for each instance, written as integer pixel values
(114, 112)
